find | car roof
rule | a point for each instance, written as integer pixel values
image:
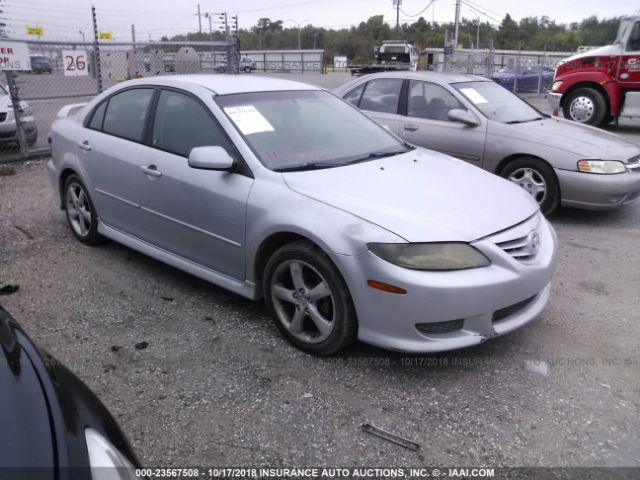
(439, 77)
(224, 84)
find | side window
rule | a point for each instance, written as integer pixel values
(126, 113)
(633, 44)
(382, 95)
(431, 101)
(181, 123)
(353, 97)
(98, 116)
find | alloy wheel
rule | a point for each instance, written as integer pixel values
(303, 301)
(78, 209)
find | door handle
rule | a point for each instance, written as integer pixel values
(151, 170)
(410, 128)
(85, 145)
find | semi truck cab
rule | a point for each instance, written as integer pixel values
(600, 85)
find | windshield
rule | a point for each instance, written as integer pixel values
(306, 129)
(497, 103)
(39, 60)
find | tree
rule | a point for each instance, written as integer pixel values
(508, 34)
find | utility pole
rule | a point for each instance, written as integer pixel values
(208, 15)
(199, 20)
(397, 4)
(457, 25)
(226, 26)
(133, 33)
(96, 49)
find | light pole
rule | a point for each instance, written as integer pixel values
(298, 24)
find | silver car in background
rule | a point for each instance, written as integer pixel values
(8, 128)
(279, 190)
(557, 161)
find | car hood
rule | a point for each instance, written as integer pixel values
(575, 138)
(25, 436)
(422, 196)
(596, 52)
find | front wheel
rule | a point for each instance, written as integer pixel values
(538, 179)
(308, 299)
(81, 214)
(247, 69)
(585, 105)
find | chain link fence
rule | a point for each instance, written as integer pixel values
(71, 72)
(520, 72)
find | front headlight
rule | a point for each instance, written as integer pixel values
(603, 167)
(431, 256)
(106, 462)
(556, 86)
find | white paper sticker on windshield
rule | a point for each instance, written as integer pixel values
(248, 119)
(473, 95)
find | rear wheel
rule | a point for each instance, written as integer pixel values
(585, 105)
(81, 214)
(308, 299)
(537, 178)
(247, 69)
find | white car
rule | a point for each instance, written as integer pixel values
(8, 129)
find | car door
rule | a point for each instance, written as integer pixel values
(379, 99)
(629, 62)
(109, 148)
(196, 214)
(426, 123)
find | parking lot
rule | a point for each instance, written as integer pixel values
(199, 376)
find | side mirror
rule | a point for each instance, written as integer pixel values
(210, 158)
(462, 116)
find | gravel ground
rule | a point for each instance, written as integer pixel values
(217, 385)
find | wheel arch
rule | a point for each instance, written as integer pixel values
(268, 247)
(66, 173)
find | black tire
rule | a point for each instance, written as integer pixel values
(516, 171)
(247, 69)
(594, 106)
(344, 323)
(89, 234)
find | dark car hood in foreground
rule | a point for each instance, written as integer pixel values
(25, 431)
(44, 410)
(589, 142)
(422, 196)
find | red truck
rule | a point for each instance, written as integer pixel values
(601, 85)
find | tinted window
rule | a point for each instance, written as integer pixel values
(430, 101)
(98, 116)
(382, 95)
(354, 95)
(634, 38)
(126, 113)
(181, 123)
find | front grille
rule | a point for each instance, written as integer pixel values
(440, 327)
(8, 134)
(518, 248)
(511, 309)
(3, 116)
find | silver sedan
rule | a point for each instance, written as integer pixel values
(279, 190)
(474, 119)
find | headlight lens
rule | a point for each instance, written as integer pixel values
(106, 462)
(556, 86)
(431, 256)
(603, 167)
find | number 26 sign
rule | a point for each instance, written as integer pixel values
(75, 63)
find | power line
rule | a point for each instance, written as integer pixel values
(420, 12)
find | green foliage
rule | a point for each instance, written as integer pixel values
(530, 33)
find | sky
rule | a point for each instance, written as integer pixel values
(68, 19)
